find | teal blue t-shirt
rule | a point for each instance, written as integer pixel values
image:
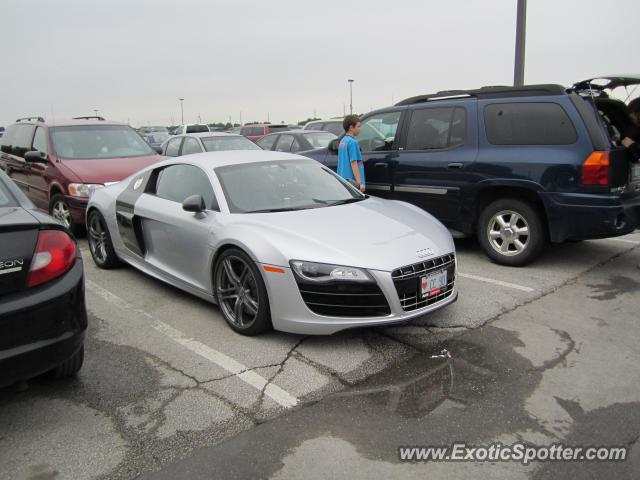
(349, 151)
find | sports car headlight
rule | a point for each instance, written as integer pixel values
(83, 189)
(323, 272)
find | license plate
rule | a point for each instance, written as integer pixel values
(433, 283)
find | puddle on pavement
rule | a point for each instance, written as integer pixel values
(424, 385)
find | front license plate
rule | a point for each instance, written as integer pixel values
(433, 283)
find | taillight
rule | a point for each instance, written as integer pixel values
(55, 255)
(595, 169)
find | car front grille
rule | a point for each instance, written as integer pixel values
(407, 281)
(345, 299)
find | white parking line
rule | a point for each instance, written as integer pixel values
(257, 381)
(496, 282)
(625, 240)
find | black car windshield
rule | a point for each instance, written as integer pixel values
(93, 142)
(319, 140)
(283, 185)
(220, 143)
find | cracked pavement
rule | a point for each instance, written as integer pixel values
(555, 361)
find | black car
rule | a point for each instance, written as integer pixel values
(517, 167)
(295, 141)
(43, 317)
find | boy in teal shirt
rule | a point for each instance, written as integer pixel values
(350, 166)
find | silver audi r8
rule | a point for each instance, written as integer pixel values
(276, 240)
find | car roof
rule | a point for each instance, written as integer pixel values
(331, 120)
(68, 122)
(488, 92)
(209, 134)
(296, 132)
(232, 157)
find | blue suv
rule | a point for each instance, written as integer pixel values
(517, 167)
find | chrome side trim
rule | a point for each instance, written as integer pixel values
(415, 189)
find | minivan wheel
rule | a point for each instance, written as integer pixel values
(100, 246)
(59, 209)
(511, 232)
(241, 293)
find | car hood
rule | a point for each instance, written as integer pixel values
(376, 234)
(107, 170)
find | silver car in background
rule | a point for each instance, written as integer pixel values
(191, 143)
(276, 240)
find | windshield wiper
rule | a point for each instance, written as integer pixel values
(283, 209)
(340, 202)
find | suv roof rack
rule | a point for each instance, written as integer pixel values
(90, 117)
(498, 91)
(30, 119)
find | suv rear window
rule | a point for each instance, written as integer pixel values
(531, 123)
(93, 142)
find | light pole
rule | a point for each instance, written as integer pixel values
(95, 110)
(521, 33)
(181, 111)
(350, 96)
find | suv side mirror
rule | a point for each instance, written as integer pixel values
(35, 157)
(194, 203)
(333, 145)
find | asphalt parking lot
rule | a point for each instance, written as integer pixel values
(550, 349)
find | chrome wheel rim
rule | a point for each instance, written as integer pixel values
(61, 212)
(237, 292)
(98, 239)
(508, 233)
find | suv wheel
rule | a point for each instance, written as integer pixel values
(59, 209)
(511, 232)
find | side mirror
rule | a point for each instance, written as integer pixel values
(194, 203)
(333, 145)
(158, 150)
(35, 157)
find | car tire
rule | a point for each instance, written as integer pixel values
(100, 245)
(511, 232)
(241, 295)
(59, 209)
(71, 366)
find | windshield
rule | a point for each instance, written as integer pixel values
(283, 185)
(93, 142)
(217, 144)
(197, 129)
(6, 199)
(156, 137)
(319, 140)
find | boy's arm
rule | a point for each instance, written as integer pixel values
(354, 157)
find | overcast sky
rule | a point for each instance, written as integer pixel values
(285, 59)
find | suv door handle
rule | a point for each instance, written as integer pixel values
(380, 164)
(455, 165)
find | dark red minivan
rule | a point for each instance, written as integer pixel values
(58, 164)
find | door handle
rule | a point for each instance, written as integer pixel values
(380, 164)
(455, 165)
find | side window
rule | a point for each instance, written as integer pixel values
(314, 126)
(284, 143)
(22, 139)
(335, 128)
(437, 128)
(40, 141)
(178, 182)
(378, 132)
(531, 123)
(173, 147)
(246, 131)
(191, 145)
(266, 143)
